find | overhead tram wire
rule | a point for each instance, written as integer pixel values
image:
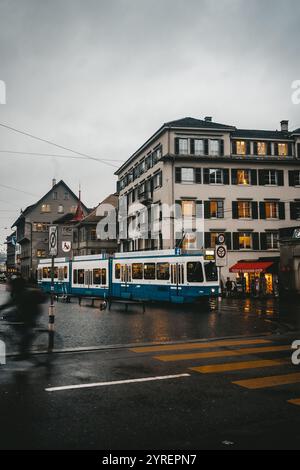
(17, 189)
(39, 154)
(40, 139)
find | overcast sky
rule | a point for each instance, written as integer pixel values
(100, 76)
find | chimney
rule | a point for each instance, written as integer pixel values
(53, 182)
(208, 119)
(284, 126)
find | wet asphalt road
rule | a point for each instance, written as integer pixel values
(86, 326)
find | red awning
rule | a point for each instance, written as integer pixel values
(251, 267)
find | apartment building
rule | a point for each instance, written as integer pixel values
(241, 182)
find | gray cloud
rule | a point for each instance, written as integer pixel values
(101, 76)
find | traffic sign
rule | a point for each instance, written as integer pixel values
(53, 240)
(66, 246)
(221, 255)
(221, 239)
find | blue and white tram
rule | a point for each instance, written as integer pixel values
(158, 275)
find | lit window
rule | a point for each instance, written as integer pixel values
(213, 239)
(271, 210)
(73, 209)
(163, 271)
(282, 150)
(214, 147)
(46, 208)
(245, 241)
(189, 241)
(243, 177)
(272, 240)
(187, 175)
(215, 176)
(199, 147)
(60, 209)
(137, 271)
(241, 147)
(40, 253)
(244, 209)
(149, 271)
(183, 146)
(261, 148)
(188, 208)
(216, 209)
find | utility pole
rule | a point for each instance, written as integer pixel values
(53, 231)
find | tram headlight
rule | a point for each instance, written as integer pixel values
(213, 290)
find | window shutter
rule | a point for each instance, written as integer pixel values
(248, 147)
(206, 149)
(298, 150)
(290, 149)
(234, 147)
(198, 175)
(255, 148)
(233, 176)
(206, 176)
(293, 210)
(207, 239)
(281, 206)
(199, 210)
(253, 177)
(269, 148)
(261, 177)
(235, 240)
(177, 175)
(178, 211)
(291, 178)
(255, 241)
(176, 145)
(221, 147)
(228, 240)
(235, 212)
(192, 146)
(280, 177)
(263, 241)
(254, 205)
(276, 148)
(226, 176)
(207, 209)
(118, 186)
(262, 210)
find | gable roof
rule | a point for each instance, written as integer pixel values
(296, 131)
(198, 123)
(260, 134)
(92, 217)
(32, 206)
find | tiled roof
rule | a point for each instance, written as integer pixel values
(260, 134)
(197, 123)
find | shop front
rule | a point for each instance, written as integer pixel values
(256, 278)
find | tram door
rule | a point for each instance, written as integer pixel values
(125, 277)
(88, 278)
(177, 277)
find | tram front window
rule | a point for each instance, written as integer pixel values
(211, 272)
(194, 272)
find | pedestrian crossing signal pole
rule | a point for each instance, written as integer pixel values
(51, 316)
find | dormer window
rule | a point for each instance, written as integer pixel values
(241, 147)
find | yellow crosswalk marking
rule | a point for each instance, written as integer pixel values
(204, 345)
(295, 401)
(223, 353)
(231, 366)
(272, 381)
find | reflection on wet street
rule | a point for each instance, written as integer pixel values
(83, 326)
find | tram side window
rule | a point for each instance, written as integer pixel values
(103, 275)
(75, 276)
(80, 276)
(45, 273)
(211, 271)
(137, 271)
(96, 276)
(163, 271)
(66, 272)
(117, 271)
(56, 272)
(61, 274)
(149, 271)
(194, 272)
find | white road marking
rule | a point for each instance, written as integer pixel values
(116, 382)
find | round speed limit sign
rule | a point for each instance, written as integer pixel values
(220, 239)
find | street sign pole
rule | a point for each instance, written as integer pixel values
(53, 252)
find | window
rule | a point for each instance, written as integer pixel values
(66, 272)
(55, 196)
(187, 175)
(194, 272)
(60, 209)
(66, 196)
(244, 209)
(245, 241)
(214, 147)
(61, 274)
(117, 271)
(46, 273)
(137, 271)
(271, 177)
(282, 150)
(80, 276)
(213, 239)
(41, 253)
(163, 271)
(183, 146)
(241, 147)
(215, 176)
(75, 276)
(189, 241)
(199, 147)
(261, 148)
(149, 271)
(243, 177)
(73, 209)
(297, 178)
(216, 209)
(93, 234)
(271, 210)
(38, 227)
(46, 208)
(157, 180)
(96, 276)
(188, 208)
(272, 240)
(211, 272)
